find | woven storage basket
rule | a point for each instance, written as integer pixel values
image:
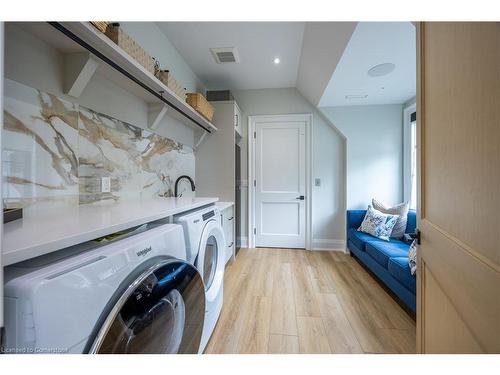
(100, 25)
(129, 45)
(200, 104)
(166, 77)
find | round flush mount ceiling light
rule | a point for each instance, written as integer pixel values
(381, 70)
(276, 60)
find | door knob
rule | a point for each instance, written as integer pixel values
(301, 198)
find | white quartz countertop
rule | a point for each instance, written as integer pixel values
(42, 231)
(224, 205)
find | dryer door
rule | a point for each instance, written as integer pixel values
(158, 309)
(211, 255)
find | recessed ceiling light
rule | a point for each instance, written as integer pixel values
(381, 69)
(277, 60)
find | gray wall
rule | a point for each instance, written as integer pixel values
(328, 160)
(374, 141)
(152, 39)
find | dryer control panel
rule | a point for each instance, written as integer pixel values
(208, 215)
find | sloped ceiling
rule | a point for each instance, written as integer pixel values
(371, 44)
(322, 48)
(325, 61)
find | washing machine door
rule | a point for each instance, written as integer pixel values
(159, 309)
(211, 255)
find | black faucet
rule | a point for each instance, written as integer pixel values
(180, 178)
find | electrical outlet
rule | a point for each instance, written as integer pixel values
(317, 182)
(105, 184)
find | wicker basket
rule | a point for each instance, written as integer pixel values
(200, 104)
(100, 25)
(166, 77)
(129, 45)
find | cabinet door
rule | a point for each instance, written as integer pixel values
(228, 226)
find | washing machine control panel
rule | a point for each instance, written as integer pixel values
(208, 215)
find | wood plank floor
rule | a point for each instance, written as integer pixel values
(298, 301)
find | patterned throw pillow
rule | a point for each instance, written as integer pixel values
(400, 209)
(378, 224)
(412, 257)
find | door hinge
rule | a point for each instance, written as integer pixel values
(254, 230)
(254, 182)
(255, 135)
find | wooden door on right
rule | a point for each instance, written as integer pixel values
(458, 116)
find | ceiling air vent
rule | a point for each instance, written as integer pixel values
(225, 55)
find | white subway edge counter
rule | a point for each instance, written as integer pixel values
(42, 231)
(223, 205)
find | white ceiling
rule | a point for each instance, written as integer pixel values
(374, 43)
(258, 43)
(322, 47)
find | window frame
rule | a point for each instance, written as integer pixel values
(407, 111)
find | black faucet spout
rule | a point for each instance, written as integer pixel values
(180, 178)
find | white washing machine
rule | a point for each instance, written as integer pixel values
(206, 249)
(132, 295)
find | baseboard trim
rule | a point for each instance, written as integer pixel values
(328, 244)
(242, 242)
(323, 244)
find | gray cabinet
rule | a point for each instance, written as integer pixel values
(215, 157)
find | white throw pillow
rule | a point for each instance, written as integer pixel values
(378, 224)
(401, 210)
(412, 257)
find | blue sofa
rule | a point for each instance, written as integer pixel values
(387, 260)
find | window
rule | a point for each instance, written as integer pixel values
(410, 156)
(413, 161)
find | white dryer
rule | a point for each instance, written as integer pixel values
(133, 295)
(206, 249)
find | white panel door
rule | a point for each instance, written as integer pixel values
(280, 174)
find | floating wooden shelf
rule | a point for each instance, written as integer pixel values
(118, 67)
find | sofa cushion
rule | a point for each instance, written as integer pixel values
(412, 221)
(401, 210)
(355, 218)
(399, 268)
(381, 251)
(359, 238)
(378, 224)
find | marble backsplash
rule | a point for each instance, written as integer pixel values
(55, 153)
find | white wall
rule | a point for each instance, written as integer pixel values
(31, 61)
(374, 141)
(328, 160)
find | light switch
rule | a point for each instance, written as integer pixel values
(105, 184)
(317, 182)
